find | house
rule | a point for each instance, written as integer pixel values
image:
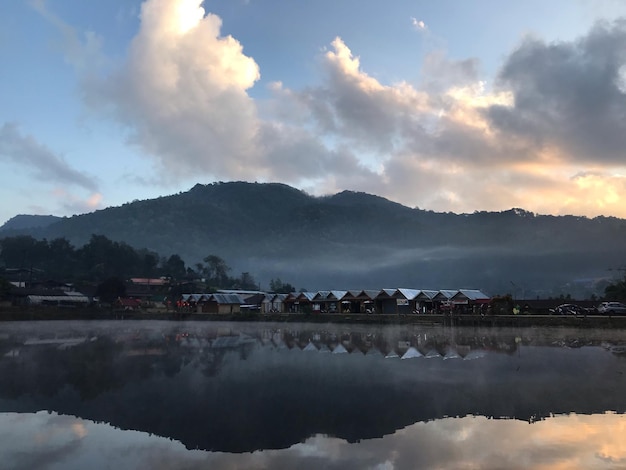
(366, 300)
(301, 303)
(470, 300)
(443, 300)
(350, 302)
(406, 300)
(67, 299)
(328, 301)
(275, 304)
(147, 288)
(385, 302)
(424, 300)
(193, 301)
(223, 304)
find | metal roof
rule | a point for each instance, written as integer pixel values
(337, 294)
(195, 297)
(386, 292)
(278, 297)
(308, 295)
(472, 294)
(446, 293)
(429, 294)
(38, 299)
(225, 299)
(408, 294)
(370, 294)
(240, 291)
(321, 295)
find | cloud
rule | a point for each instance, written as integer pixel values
(182, 92)
(563, 441)
(355, 106)
(39, 160)
(84, 53)
(438, 146)
(451, 141)
(568, 96)
(418, 24)
(76, 205)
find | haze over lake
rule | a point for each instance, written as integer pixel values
(249, 395)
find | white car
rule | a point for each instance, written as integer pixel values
(611, 308)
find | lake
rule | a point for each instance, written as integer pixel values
(151, 394)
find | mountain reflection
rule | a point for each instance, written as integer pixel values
(244, 387)
(49, 440)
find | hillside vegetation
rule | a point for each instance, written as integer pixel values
(355, 240)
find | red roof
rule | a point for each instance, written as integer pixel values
(149, 281)
(129, 302)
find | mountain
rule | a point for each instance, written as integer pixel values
(357, 240)
(23, 222)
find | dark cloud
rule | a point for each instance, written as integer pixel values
(568, 95)
(41, 161)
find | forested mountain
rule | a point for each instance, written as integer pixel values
(22, 221)
(356, 240)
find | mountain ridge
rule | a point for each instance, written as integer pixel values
(352, 239)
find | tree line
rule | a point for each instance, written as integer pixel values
(616, 290)
(102, 259)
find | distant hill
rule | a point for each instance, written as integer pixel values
(23, 222)
(355, 240)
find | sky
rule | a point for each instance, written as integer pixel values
(447, 106)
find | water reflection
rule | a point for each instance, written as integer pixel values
(385, 397)
(43, 440)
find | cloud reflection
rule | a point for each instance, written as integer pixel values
(559, 442)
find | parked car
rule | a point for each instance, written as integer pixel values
(612, 308)
(569, 309)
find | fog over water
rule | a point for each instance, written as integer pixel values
(254, 395)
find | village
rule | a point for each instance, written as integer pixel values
(156, 295)
(396, 301)
(196, 298)
(160, 296)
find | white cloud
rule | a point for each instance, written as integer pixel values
(449, 143)
(182, 92)
(418, 24)
(437, 147)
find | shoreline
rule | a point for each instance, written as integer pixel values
(521, 320)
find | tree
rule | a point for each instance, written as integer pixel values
(246, 281)
(616, 291)
(23, 252)
(61, 261)
(174, 267)
(280, 287)
(5, 288)
(149, 263)
(103, 258)
(216, 270)
(111, 289)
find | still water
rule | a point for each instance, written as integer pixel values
(251, 395)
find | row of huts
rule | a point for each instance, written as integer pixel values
(385, 301)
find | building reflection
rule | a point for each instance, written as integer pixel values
(435, 342)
